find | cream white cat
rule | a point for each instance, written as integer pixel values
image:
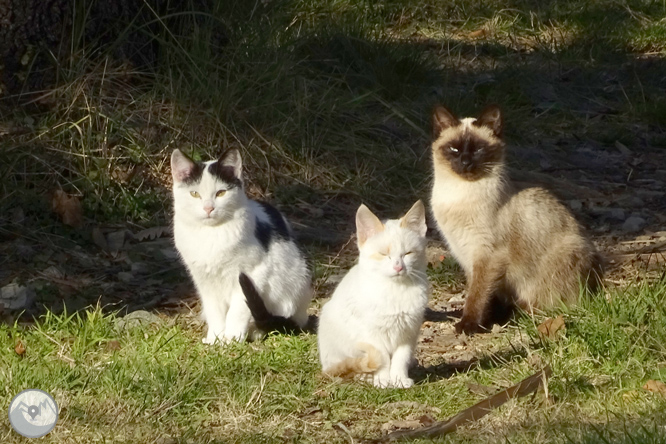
(371, 324)
(223, 236)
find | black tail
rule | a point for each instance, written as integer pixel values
(264, 320)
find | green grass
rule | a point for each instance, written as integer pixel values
(152, 381)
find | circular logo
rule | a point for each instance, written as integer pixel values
(33, 413)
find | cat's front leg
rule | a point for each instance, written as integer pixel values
(214, 312)
(400, 366)
(485, 279)
(238, 317)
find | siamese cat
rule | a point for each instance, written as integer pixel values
(517, 247)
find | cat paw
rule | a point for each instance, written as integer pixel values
(403, 382)
(468, 326)
(381, 382)
(400, 382)
(219, 340)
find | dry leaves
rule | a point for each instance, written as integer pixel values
(152, 233)
(655, 386)
(68, 208)
(19, 348)
(478, 34)
(551, 328)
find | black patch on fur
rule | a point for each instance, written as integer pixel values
(274, 229)
(225, 173)
(263, 319)
(195, 174)
(474, 157)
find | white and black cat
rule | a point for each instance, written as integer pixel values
(240, 253)
(371, 324)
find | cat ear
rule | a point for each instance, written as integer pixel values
(415, 219)
(182, 167)
(491, 117)
(367, 224)
(232, 158)
(442, 119)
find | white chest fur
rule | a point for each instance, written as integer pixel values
(466, 214)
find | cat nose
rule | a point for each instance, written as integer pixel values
(398, 267)
(208, 209)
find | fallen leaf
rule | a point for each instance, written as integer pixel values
(113, 345)
(623, 148)
(401, 424)
(479, 33)
(116, 240)
(475, 412)
(482, 390)
(20, 348)
(100, 239)
(551, 327)
(152, 233)
(68, 208)
(655, 386)
(427, 420)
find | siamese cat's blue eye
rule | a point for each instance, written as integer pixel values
(195, 194)
(453, 149)
(220, 193)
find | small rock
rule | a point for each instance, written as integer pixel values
(617, 213)
(140, 268)
(628, 201)
(136, 319)
(14, 296)
(456, 299)
(575, 205)
(53, 272)
(169, 253)
(125, 276)
(634, 224)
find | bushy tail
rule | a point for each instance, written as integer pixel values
(263, 319)
(369, 362)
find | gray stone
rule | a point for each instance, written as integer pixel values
(125, 276)
(140, 268)
(575, 205)
(136, 319)
(634, 224)
(617, 213)
(628, 201)
(14, 296)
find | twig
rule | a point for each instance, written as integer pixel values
(476, 412)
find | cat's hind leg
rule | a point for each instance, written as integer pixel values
(382, 376)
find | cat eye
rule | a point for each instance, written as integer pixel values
(195, 194)
(453, 149)
(220, 193)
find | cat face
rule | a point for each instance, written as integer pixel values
(396, 248)
(207, 193)
(471, 148)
